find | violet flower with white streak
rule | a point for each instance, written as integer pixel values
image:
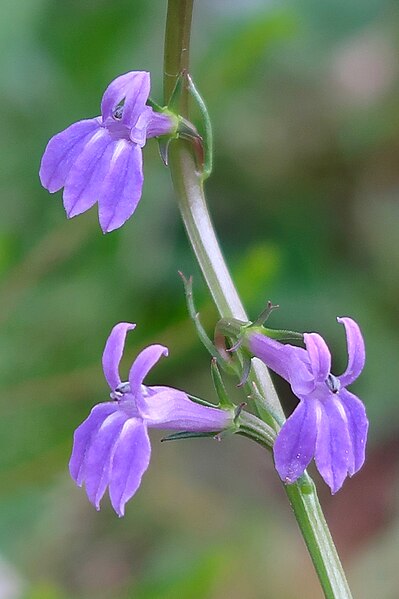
(100, 159)
(329, 423)
(111, 447)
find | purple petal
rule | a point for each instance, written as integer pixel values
(289, 361)
(121, 185)
(295, 444)
(131, 458)
(85, 176)
(83, 438)
(333, 456)
(172, 409)
(357, 426)
(100, 455)
(356, 351)
(300, 377)
(319, 354)
(159, 124)
(274, 354)
(138, 133)
(142, 365)
(113, 351)
(61, 153)
(134, 88)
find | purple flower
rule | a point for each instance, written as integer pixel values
(111, 447)
(100, 159)
(329, 423)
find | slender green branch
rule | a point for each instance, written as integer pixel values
(192, 204)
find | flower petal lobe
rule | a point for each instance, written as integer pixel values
(295, 443)
(113, 352)
(130, 461)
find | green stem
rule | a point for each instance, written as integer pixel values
(309, 515)
(193, 208)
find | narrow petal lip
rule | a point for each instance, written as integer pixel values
(356, 351)
(113, 352)
(319, 354)
(142, 365)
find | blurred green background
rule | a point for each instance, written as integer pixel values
(304, 98)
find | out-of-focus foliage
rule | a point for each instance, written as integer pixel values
(304, 98)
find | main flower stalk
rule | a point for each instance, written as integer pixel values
(190, 194)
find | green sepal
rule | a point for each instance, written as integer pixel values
(207, 128)
(201, 401)
(264, 315)
(163, 146)
(188, 435)
(184, 130)
(246, 367)
(187, 130)
(278, 334)
(154, 105)
(188, 289)
(227, 432)
(231, 327)
(221, 392)
(203, 145)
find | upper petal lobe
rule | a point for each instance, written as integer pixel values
(356, 351)
(113, 352)
(319, 355)
(144, 362)
(134, 89)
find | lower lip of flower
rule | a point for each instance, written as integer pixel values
(117, 130)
